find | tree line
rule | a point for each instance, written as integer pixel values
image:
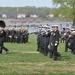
(66, 8)
(11, 12)
(42, 12)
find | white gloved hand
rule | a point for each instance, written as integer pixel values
(55, 44)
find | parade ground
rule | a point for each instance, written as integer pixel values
(23, 59)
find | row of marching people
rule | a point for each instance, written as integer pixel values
(18, 36)
(50, 38)
(7, 35)
(68, 37)
(45, 38)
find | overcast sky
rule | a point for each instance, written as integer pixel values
(21, 3)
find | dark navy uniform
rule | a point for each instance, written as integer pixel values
(23, 37)
(72, 43)
(51, 40)
(2, 35)
(43, 38)
(7, 35)
(13, 32)
(62, 36)
(54, 42)
(67, 40)
(46, 42)
(27, 36)
(2, 39)
(39, 41)
(18, 35)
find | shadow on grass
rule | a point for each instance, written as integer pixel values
(65, 58)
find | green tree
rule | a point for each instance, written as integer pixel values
(66, 8)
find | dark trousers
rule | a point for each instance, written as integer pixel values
(3, 47)
(56, 54)
(46, 49)
(23, 39)
(53, 53)
(18, 39)
(66, 44)
(1, 44)
(0, 49)
(72, 47)
(38, 46)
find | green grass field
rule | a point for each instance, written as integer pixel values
(23, 59)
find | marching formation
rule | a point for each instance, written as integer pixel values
(12, 36)
(68, 36)
(18, 35)
(48, 41)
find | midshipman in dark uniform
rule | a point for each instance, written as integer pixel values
(54, 42)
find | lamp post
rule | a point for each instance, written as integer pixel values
(17, 13)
